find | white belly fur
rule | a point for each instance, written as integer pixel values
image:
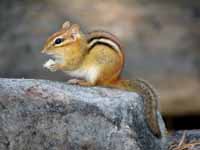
(90, 75)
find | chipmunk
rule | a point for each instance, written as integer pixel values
(97, 58)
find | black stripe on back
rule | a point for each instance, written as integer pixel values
(100, 42)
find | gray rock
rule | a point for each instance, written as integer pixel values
(46, 115)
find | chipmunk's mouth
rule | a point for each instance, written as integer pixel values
(53, 59)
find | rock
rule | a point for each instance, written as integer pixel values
(40, 114)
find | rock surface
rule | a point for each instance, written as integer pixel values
(39, 115)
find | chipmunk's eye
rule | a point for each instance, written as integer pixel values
(58, 40)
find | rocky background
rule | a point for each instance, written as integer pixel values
(160, 39)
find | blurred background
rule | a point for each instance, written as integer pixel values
(161, 40)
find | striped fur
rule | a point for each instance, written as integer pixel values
(105, 38)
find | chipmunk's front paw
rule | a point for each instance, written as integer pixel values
(80, 82)
(73, 81)
(51, 65)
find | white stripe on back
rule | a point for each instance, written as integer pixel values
(107, 41)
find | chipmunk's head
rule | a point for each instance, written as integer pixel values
(67, 46)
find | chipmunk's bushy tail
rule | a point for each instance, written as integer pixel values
(150, 97)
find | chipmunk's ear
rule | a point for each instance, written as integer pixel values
(66, 25)
(75, 29)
